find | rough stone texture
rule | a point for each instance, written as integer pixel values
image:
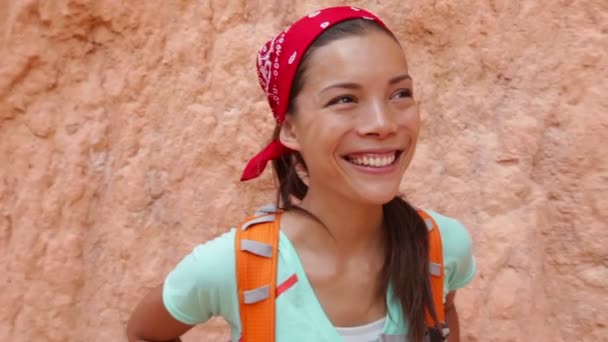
(124, 127)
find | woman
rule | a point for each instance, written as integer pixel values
(347, 123)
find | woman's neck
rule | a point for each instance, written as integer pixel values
(354, 226)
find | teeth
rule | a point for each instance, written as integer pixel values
(374, 160)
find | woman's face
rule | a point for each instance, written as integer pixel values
(356, 123)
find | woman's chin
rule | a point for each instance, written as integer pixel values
(377, 195)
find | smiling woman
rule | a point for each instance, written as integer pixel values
(353, 112)
(341, 257)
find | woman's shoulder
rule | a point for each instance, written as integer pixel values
(219, 251)
(455, 237)
(459, 262)
(210, 260)
(220, 243)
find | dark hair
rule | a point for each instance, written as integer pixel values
(406, 260)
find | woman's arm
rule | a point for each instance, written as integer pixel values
(451, 317)
(151, 322)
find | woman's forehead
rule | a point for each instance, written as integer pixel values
(371, 55)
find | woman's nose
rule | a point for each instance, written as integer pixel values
(377, 120)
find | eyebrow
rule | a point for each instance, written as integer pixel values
(399, 78)
(351, 85)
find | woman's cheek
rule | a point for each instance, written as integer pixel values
(412, 117)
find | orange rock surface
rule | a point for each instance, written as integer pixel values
(124, 127)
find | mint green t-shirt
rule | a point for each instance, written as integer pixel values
(204, 284)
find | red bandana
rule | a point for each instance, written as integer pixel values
(277, 63)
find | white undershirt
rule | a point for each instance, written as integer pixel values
(364, 333)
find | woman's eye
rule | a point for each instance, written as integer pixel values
(403, 93)
(341, 100)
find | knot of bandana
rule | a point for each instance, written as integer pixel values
(277, 64)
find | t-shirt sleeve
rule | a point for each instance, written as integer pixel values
(459, 262)
(203, 284)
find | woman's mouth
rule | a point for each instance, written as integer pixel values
(374, 160)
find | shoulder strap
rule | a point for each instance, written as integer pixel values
(257, 242)
(435, 268)
(256, 271)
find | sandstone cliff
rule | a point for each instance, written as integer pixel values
(124, 127)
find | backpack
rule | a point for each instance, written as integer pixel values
(256, 249)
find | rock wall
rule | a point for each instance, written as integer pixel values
(124, 127)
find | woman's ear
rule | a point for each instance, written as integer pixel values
(288, 134)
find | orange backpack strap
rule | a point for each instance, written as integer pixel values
(257, 241)
(436, 270)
